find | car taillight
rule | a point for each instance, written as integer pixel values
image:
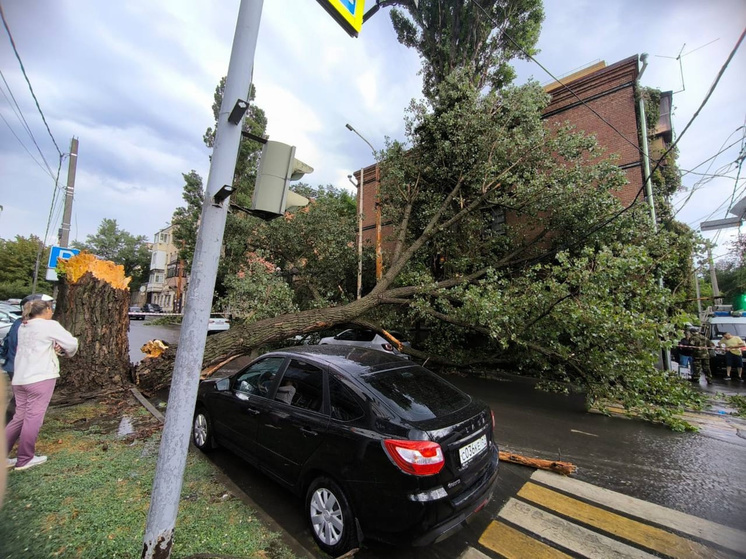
(419, 458)
(387, 347)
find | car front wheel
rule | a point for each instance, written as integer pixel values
(202, 431)
(330, 517)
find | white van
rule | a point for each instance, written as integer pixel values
(722, 319)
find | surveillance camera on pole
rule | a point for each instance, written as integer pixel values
(277, 167)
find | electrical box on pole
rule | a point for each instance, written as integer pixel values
(277, 167)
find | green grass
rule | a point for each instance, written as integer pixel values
(90, 500)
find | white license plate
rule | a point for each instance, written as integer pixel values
(469, 451)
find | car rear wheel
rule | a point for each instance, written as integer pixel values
(330, 517)
(202, 431)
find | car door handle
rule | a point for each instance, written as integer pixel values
(252, 411)
(271, 426)
(308, 431)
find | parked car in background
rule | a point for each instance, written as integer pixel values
(366, 338)
(135, 313)
(379, 447)
(151, 307)
(218, 323)
(6, 321)
(11, 309)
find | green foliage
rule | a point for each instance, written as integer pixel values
(186, 218)
(312, 249)
(103, 513)
(257, 291)
(571, 293)
(454, 34)
(121, 247)
(17, 262)
(739, 402)
(731, 272)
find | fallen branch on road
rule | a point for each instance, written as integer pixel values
(564, 468)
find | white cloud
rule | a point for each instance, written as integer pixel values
(135, 82)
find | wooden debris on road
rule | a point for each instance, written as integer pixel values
(564, 468)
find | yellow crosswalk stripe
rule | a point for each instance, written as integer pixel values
(568, 535)
(650, 513)
(649, 537)
(512, 544)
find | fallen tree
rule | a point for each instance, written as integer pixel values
(566, 288)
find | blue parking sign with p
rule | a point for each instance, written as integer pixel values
(55, 253)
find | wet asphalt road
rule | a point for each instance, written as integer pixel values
(699, 474)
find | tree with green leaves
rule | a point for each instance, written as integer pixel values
(186, 218)
(565, 289)
(110, 242)
(17, 264)
(481, 38)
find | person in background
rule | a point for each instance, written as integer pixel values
(685, 349)
(733, 358)
(37, 369)
(700, 355)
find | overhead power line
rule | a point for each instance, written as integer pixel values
(23, 70)
(24, 123)
(564, 85)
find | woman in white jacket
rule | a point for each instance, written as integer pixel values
(36, 372)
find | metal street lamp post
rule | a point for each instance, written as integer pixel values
(360, 216)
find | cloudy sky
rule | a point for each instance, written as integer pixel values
(134, 82)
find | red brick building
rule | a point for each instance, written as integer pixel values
(607, 90)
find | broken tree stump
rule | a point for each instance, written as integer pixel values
(564, 468)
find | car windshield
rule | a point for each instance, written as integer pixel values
(415, 393)
(735, 329)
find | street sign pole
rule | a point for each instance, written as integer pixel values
(172, 455)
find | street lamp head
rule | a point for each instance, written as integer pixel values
(350, 128)
(350, 178)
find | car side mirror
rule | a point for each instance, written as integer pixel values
(223, 384)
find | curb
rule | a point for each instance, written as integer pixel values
(297, 548)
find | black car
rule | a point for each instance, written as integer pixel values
(380, 447)
(135, 313)
(151, 307)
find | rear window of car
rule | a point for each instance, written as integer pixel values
(416, 394)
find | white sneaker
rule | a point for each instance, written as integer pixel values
(11, 463)
(35, 461)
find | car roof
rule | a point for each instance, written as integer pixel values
(355, 360)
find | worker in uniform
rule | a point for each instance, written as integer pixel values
(700, 355)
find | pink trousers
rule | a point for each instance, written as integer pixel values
(32, 401)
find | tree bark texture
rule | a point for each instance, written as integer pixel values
(95, 313)
(154, 374)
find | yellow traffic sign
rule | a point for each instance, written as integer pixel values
(348, 13)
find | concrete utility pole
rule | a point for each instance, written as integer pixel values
(666, 354)
(72, 166)
(716, 300)
(169, 475)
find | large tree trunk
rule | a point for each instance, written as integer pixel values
(152, 375)
(95, 313)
